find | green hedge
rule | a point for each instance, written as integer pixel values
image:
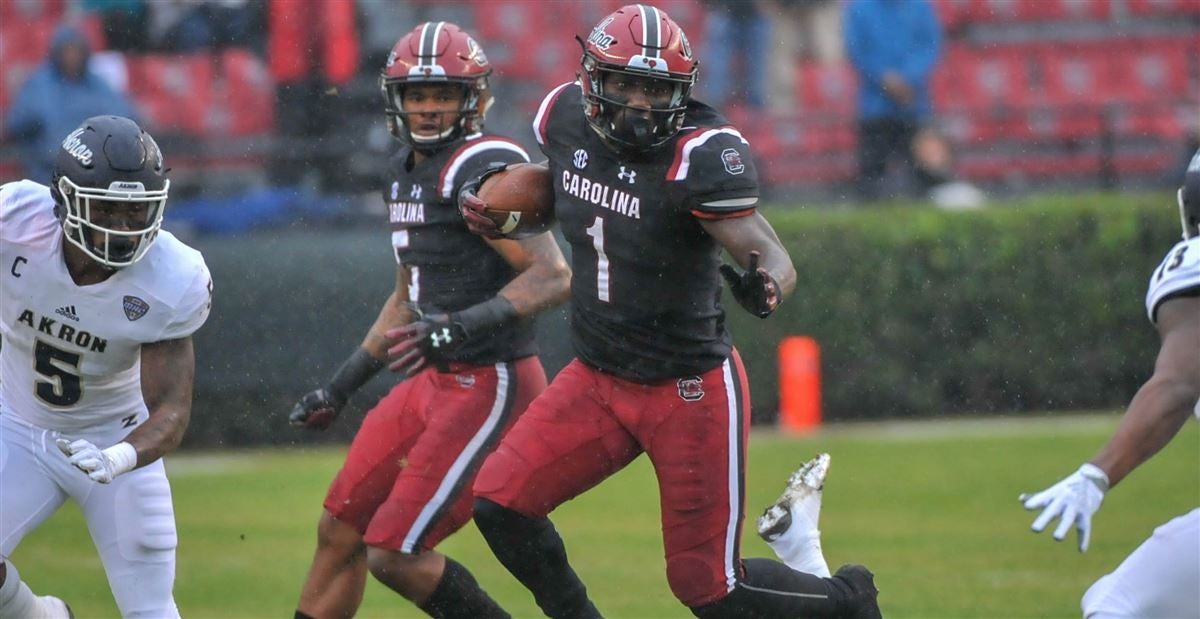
(1034, 305)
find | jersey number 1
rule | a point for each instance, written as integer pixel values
(63, 387)
(596, 231)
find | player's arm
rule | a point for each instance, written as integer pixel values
(1163, 403)
(543, 280)
(769, 275)
(168, 368)
(1154, 417)
(318, 408)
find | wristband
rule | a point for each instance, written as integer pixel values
(354, 373)
(122, 457)
(481, 316)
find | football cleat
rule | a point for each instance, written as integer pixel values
(54, 608)
(801, 500)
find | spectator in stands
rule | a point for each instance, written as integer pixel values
(735, 45)
(893, 45)
(312, 49)
(57, 97)
(808, 29)
(194, 25)
(125, 23)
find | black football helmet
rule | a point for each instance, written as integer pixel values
(1189, 199)
(110, 162)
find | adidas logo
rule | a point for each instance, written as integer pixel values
(67, 311)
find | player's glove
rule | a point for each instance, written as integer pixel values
(473, 209)
(101, 465)
(428, 338)
(1074, 500)
(754, 289)
(318, 408)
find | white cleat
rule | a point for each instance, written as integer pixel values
(54, 608)
(800, 502)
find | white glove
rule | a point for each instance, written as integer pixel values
(100, 465)
(1074, 500)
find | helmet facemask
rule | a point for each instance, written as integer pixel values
(466, 120)
(107, 224)
(627, 127)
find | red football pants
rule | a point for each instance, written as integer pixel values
(406, 481)
(588, 425)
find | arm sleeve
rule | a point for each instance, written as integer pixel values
(473, 158)
(870, 66)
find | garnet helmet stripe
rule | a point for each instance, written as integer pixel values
(651, 31)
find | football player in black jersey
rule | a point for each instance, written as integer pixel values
(459, 324)
(650, 187)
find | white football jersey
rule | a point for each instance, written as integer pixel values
(1179, 272)
(70, 358)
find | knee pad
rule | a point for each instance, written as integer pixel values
(146, 529)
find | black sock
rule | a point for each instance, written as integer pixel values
(300, 615)
(772, 589)
(458, 595)
(534, 553)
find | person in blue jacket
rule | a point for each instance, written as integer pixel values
(893, 46)
(58, 96)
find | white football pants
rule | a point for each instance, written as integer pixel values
(131, 520)
(1159, 580)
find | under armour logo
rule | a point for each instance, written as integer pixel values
(627, 175)
(416, 192)
(581, 159)
(441, 338)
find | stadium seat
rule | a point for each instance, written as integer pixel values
(175, 92)
(1163, 7)
(249, 101)
(827, 88)
(975, 79)
(1151, 70)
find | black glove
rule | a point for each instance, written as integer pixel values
(754, 289)
(428, 338)
(316, 410)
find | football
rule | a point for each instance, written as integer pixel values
(520, 199)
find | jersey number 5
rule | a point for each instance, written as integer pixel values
(63, 387)
(596, 231)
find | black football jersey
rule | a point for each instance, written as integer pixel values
(645, 292)
(451, 269)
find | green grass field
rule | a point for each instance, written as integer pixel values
(931, 507)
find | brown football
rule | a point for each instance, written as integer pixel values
(520, 199)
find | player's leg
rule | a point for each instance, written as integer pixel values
(466, 413)
(566, 443)
(790, 525)
(28, 463)
(132, 523)
(1157, 580)
(695, 435)
(338, 574)
(16, 600)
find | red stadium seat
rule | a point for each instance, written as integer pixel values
(175, 92)
(827, 87)
(248, 107)
(1163, 7)
(1076, 75)
(994, 78)
(1151, 71)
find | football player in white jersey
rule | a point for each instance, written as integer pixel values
(97, 309)
(1159, 578)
